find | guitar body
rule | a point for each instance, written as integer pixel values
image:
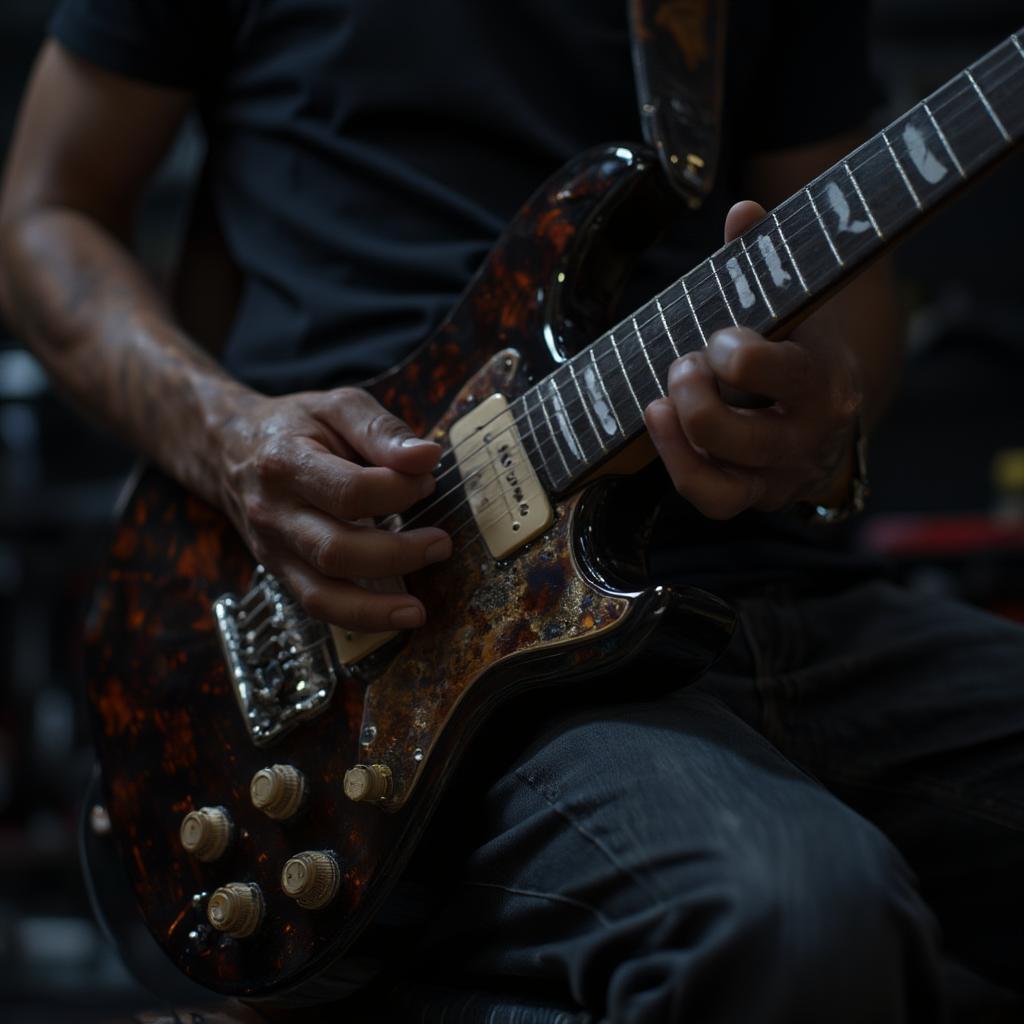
(168, 727)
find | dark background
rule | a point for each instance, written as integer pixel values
(58, 482)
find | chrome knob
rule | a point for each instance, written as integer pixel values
(277, 791)
(311, 879)
(206, 833)
(236, 909)
(367, 783)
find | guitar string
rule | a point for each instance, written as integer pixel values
(635, 358)
(808, 229)
(576, 419)
(968, 92)
(573, 414)
(483, 524)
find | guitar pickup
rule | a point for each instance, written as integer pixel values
(504, 493)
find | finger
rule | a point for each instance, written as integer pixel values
(741, 217)
(342, 603)
(379, 437)
(746, 360)
(349, 551)
(347, 491)
(742, 437)
(718, 492)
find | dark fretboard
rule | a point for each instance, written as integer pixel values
(591, 406)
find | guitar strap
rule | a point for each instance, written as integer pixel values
(678, 60)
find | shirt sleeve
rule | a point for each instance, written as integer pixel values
(177, 43)
(815, 79)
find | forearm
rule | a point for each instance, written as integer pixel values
(79, 300)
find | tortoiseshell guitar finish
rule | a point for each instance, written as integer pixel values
(168, 729)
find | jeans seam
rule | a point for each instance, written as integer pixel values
(589, 837)
(553, 897)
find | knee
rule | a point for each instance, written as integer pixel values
(842, 921)
(824, 927)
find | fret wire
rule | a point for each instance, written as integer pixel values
(536, 437)
(903, 173)
(693, 312)
(629, 383)
(643, 349)
(664, 322)
(824, 230)
(944, 140)
(725, 298)
(686, 292)
(1016, 43)
(551, 432)
(863, 201)
(789, 253)
(600, 380)
(586, 408)
(988, 106)
(757, 279)
(562, 415)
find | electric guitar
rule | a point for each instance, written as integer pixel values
(266, 776)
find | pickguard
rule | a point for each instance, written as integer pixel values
(481, 613)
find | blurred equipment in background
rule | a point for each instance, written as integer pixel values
(939, 497)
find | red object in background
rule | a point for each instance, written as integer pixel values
(961, 545)
(941, 536)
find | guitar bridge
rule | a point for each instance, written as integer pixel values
(279, 660)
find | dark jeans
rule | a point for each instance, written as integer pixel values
(829, 827)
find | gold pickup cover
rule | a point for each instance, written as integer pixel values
(506, 498)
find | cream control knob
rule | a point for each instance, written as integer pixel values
(206, 833)
(236, 909)
(277, 791)
(368, 782)
(311, 879)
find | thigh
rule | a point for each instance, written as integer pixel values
(664, 861)
(912, 710)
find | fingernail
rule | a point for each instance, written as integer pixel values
(438, 551)
(725, 338)
(415, 442)
(407, 618)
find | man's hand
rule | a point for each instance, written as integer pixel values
(298, 473)
(295, 474)
(752, 423)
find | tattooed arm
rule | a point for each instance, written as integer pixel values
(292, 472)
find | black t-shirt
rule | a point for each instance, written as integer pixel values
(364, 156)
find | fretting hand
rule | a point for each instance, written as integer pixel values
(753, 423)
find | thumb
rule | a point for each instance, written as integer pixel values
(742, 216)
(380, 438)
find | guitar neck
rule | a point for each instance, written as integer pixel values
(591, 406)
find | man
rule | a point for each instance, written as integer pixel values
(684, 860)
